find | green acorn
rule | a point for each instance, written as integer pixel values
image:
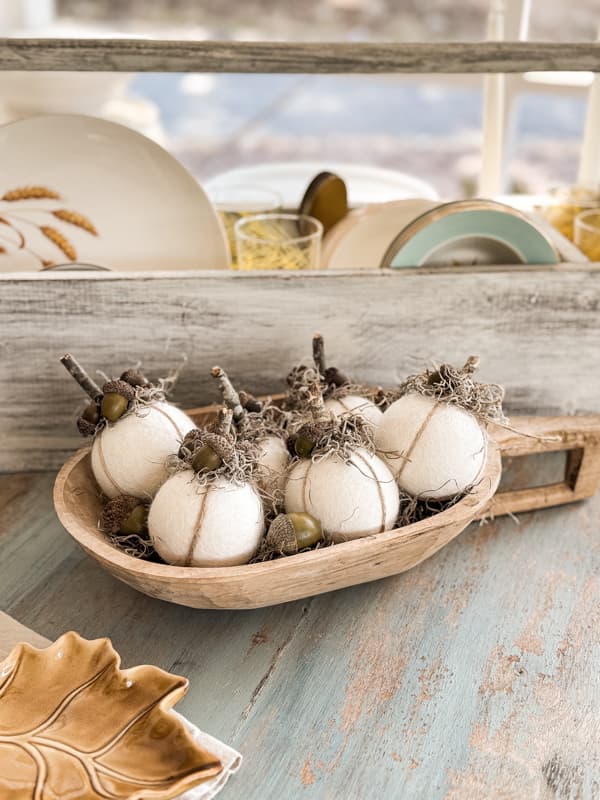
(125, 515)
(89, 419)
(208, 450)
(289, 533)
(116, 398)
(306, 438)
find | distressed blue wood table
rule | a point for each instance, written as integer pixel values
(475, 675)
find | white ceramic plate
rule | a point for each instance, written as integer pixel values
(130, 205)
(362, 238)
(290, 179)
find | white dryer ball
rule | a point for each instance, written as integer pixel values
(128, 456)
(273, 459)
(353, 404)
(219, 524)
(444, 447)
(350, 499)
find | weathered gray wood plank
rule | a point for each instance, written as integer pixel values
(140, 55)
(12, 633)
(24, 507)
(537, 332)
(472, 676)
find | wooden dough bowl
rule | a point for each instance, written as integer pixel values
(78, 504)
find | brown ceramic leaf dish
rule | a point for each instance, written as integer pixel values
(73, 725)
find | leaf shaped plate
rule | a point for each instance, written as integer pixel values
(73, 725)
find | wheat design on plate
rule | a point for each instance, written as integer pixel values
(72, 724)
(24, 215)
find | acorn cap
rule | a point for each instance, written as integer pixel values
(222, 445)
(116, 511)
(336, 378)
(313, 430)
(281, 536)
(85, 427)
(89, 419)
(196, 438)
(134, 377)
(119, 387)
(250, 403)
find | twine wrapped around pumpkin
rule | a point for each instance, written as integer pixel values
(208, 512)
(133, 427)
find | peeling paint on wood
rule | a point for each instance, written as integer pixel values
(473, 676)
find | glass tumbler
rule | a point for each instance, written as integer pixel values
(587, 233)
(236, 202)
(565, 203)
(278, 241)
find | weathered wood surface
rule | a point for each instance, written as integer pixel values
(142, 55)
(12, 633)
(537, 332)
(473, 676)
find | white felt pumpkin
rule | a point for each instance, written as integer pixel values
(128, 456)
(434, 449)
(350, 499)
(218, 524)
(353, 404)
(273, 459)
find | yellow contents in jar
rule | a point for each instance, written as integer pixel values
(278, 242)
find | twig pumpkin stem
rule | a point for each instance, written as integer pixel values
(230, 397)
(331, 375)
(471, 365)
(224, 420)
(318, 344)
(80, 375)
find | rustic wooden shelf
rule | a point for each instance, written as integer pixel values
(535, 328)
(382, 323)
(152, 55)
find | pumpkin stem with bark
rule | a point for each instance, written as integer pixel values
(331, 376)
(230, 396)
(318, 346)
(80, 375)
